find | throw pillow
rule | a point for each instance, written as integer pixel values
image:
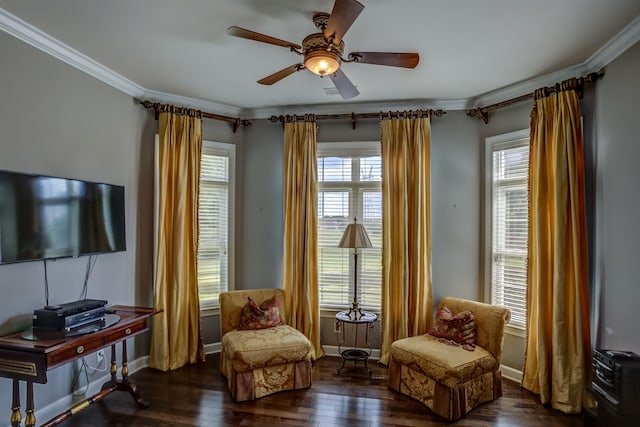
(455, 329)
(265, 315)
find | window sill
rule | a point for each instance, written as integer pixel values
(208, 312)
(515, 331)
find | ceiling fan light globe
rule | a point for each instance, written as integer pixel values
(322, 63)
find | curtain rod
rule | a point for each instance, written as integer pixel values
(157, 107)
(483, 112)
(353, 116)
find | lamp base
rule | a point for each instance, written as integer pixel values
(355, 309)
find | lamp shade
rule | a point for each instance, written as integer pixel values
(355, 236)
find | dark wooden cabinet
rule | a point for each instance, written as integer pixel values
(616, 387)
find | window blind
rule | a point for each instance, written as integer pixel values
(213, 220)
(510, 171)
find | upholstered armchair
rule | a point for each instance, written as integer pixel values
(261, 359)
(452, 378)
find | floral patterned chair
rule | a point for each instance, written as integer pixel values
(457, 369)
(261, 354)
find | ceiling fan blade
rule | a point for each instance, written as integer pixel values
(405, 60)
(252, 35)
(279, 75)
(344, 85)
(342, 16)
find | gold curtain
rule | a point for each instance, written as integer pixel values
(558, 353)
(175, 337)
(406, 230)
(299, 259)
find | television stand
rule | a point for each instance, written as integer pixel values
(29, 360)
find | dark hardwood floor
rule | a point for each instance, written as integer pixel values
(197, 396)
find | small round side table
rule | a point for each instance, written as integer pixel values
(356, 353)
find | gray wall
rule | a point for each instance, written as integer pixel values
(455, 206)
(618, 203)
(58, 121)
(262, 200)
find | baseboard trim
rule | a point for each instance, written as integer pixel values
(511, 373)
(216, 347)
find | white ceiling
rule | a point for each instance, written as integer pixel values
(471, 52)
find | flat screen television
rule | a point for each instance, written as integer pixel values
(43, 217)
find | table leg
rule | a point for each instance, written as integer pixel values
(366, 339)
(114, 366)
(341, 366)
(342, 326)
(16, 416)
(125, 363)
(30, 418)
(123, 384)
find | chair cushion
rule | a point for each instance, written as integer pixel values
(257, 348)
(446, 364)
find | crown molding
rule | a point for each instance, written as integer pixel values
(527, 86)
(627, 37)
(199, 104)
(31, 35)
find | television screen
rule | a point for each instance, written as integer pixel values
(43, 217)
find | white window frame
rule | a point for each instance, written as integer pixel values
(222, 149)
(503, 141)
(355, 149)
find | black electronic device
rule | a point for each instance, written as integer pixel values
(69, 315)
(616, 386)
(43, 217)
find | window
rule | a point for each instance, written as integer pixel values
(507, 208)
(215, 217)
(349, 186)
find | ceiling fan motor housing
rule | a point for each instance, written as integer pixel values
(319, 57)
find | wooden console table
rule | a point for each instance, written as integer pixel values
(29, 360)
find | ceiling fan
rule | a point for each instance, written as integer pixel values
(323, 52)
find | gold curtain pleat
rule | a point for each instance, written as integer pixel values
(299, 260)
(406, 230)
(176, 337)
(558, 352)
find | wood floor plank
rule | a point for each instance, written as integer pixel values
(197, 396)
